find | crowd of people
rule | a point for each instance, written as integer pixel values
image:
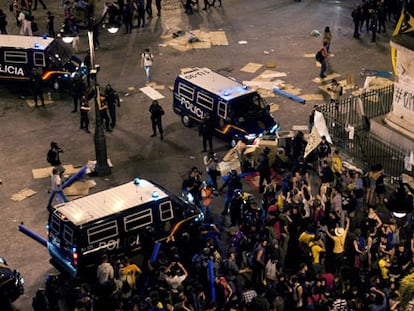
(321, 239)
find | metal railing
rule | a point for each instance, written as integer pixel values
(366, 149)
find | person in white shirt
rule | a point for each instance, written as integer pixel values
(56, 187)
(147, 60)
(26, 25)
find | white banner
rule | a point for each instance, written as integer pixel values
(319, 129)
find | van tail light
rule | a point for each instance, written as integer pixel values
(75, 256)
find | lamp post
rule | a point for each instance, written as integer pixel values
(102, 168)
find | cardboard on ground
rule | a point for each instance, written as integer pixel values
(151, 93)
(47, 171)
(310, 97)
(23, 194)
(79, 188)
(328, 77)
(206, 40)
(251, 67)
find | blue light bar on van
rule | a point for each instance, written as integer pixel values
(36, 45)
(245, 87)
(136, 181)
(226, 93)
(155, 195)
(274, 129)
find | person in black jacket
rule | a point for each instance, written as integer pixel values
(111, 97)
(36, 86)
(156, 113)
(207, 131)
(3, 22)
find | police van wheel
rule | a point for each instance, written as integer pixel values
(186, 120)
(57, 85)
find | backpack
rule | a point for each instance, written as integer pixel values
(319, 56)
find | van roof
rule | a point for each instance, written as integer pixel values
(216, 83)
(25, 42)
(110, 201)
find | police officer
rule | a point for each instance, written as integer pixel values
(84, 111)
(112, 99)
(36, 85)
(77, 90)
(103, 113)
(207, 131)
(156, 113)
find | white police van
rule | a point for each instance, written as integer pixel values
(237, 110)
(116, 221)
(20, 54)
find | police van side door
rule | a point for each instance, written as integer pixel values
(135, 224)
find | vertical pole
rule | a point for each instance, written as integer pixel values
(102, 168)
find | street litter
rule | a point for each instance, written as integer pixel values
(23, 194)
(315, 33)
(288, 95)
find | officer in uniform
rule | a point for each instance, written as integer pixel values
(84, 111)
(36, 85)
(112, 99)
(103, 113)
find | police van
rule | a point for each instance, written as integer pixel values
(237, 110)
(20, 54)
(116, 221)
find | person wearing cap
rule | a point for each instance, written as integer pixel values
(338, 238)
(156, 114)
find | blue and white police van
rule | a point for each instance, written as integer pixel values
(20, 54)
(117, 221)
(239, 113)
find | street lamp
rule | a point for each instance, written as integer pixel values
(101, 168)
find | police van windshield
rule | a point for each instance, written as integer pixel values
(58, 54)
(249, 107)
